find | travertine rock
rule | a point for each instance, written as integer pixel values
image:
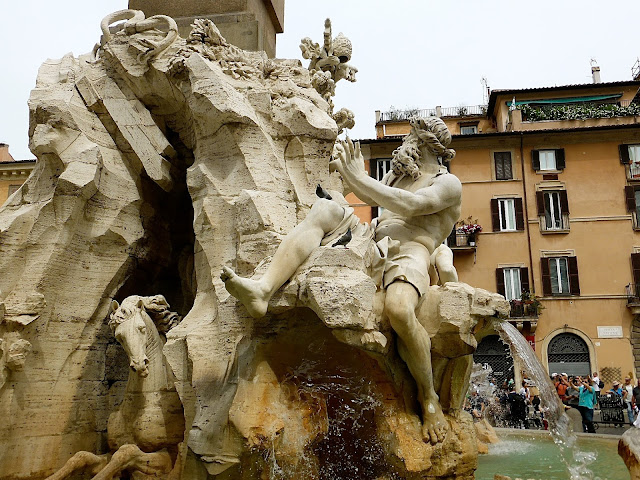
(629, 450)
(160, 161)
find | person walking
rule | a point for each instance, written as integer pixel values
(586, 402)
(627, 396)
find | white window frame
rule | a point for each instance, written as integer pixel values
(548, 160)
(512, 275)
(507, 213)
(634, 161)
(473, 128)
(556, 217)
(383, 166)
(559, 290)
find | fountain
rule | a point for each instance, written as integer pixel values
(182, 166)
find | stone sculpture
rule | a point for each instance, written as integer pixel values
(421, 202)
(146, 430)
(162, 160)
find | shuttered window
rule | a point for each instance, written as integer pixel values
(548, 160)
(507, 214)
(560, 276)
(502, 162)
(635, 265)
(632, 199)
(553, 208)
(512, 281)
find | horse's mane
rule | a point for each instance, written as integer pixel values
(156, 307)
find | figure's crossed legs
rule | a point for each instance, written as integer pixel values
(325, 216)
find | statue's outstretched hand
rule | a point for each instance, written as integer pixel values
(350, 161)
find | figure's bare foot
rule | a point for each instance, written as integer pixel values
(252, 295)
(434, 423)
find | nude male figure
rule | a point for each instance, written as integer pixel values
(421, 204)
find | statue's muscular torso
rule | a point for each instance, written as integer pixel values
(428, 230)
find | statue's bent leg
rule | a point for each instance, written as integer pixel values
(81, 462)
(130, 457)
(324, 216)
(442, 258)
(400, 303)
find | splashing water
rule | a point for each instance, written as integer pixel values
(576, 461)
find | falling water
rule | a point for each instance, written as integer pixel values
(577, 462)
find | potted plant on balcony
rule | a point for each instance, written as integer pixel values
(532, 304)
(468, 229)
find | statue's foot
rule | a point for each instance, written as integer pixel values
(434, 423)
(252, 295)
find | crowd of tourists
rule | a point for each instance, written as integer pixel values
(511, 406)
(588, 393)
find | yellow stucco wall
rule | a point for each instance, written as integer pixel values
(601, 231)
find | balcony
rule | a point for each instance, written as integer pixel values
(462, 242)
(634, 171)
(395, 115)
(554, 223)
(633, 298)
(525, 310)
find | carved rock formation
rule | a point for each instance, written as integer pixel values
(629, 450)
(156, 168)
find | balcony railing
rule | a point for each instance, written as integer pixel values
(633, 294)
(520, 309)
(461, 241)
(404, 115)
(558, 223)
(465, 111)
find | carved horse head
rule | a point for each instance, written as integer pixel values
(137, 325)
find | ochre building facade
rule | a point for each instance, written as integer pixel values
(554, 181)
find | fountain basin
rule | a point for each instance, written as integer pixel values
(533, 455)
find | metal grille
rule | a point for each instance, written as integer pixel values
(568, 353)
(491, 351)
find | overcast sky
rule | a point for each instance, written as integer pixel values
(409, 53)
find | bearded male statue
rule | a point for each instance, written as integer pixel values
(421, 202)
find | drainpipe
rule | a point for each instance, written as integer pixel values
(526, 212)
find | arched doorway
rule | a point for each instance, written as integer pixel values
(568, 353)
(493, 352)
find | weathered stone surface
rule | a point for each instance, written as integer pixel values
(629, 450)
(156, 168)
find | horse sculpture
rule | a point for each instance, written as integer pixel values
(146, 431)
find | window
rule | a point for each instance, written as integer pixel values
(13, 189)
(502, 165)
(553, 210)
(548, 160)
(380, 167)
(507, 214)
(512, 281)
(632, 194)
(560, 276)
(630, 155)
(468, 129)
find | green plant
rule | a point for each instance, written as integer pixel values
(532, 302)
(577, 112)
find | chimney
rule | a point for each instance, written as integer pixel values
(5, 156)
(595, 73)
